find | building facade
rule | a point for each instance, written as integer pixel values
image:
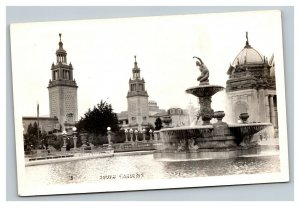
(62, 89)
(46, 124)
(179, 117)
(251, 87)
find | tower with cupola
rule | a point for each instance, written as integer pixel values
(62, 89)
(137, 100)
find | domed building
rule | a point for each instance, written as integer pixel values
(251, 87)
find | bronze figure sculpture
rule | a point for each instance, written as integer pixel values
(203, 78)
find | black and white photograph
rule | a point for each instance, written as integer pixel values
(157, 102)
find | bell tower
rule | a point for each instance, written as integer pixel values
(62, 89)
(137, 100)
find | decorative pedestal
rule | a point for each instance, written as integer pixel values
(83, 137)
(64, 147)
(110, 147)
(206, 111)
(204, 92)
(126, 135)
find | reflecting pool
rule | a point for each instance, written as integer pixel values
(146, 167)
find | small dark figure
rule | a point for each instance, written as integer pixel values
(261, 136)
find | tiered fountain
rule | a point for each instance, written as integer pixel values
(209, 141)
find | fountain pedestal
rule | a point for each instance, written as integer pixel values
(204, 92)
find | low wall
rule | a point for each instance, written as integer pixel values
(134, 146)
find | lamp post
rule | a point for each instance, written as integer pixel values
(64, 135)
(136, 135)
(150, 132)
(144, 135)
(131, 135)
(109, 137)
(126, 135)
(74, 129)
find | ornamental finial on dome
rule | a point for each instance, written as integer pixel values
(60, 42)
(247, 41)
(135, 63)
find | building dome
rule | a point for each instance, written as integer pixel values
(248, 55)
(250, 70)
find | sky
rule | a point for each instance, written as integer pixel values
(102, 54)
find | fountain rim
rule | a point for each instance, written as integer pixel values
(248, 124)
(187, 128)
(205, 86)
(211, 126)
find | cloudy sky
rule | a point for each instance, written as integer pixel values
(102, 54)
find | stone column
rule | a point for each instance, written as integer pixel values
(74, 137)
(109, 137)
(131, 134)
(151, 135)
(260, 114)
(267, 109)
(144, 135)
(75, 141)
(64, 134)
(136, 135)
(60, 75)
(65, 143)
(272, 115)
(126, 135)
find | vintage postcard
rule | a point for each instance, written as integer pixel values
(149, 102)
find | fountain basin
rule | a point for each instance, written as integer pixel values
(208, 154)
(248, 128)
(244, 132)
(204, 90)
(218, 140)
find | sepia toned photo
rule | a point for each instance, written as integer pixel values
(144, 103)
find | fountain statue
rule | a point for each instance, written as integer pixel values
(203, 78)
(218, 140)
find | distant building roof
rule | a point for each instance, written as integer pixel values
(123, 115)
(160, 114)
(41, 118)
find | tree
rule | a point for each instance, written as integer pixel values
(158, 124)
(96, 121)
(31, 137)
